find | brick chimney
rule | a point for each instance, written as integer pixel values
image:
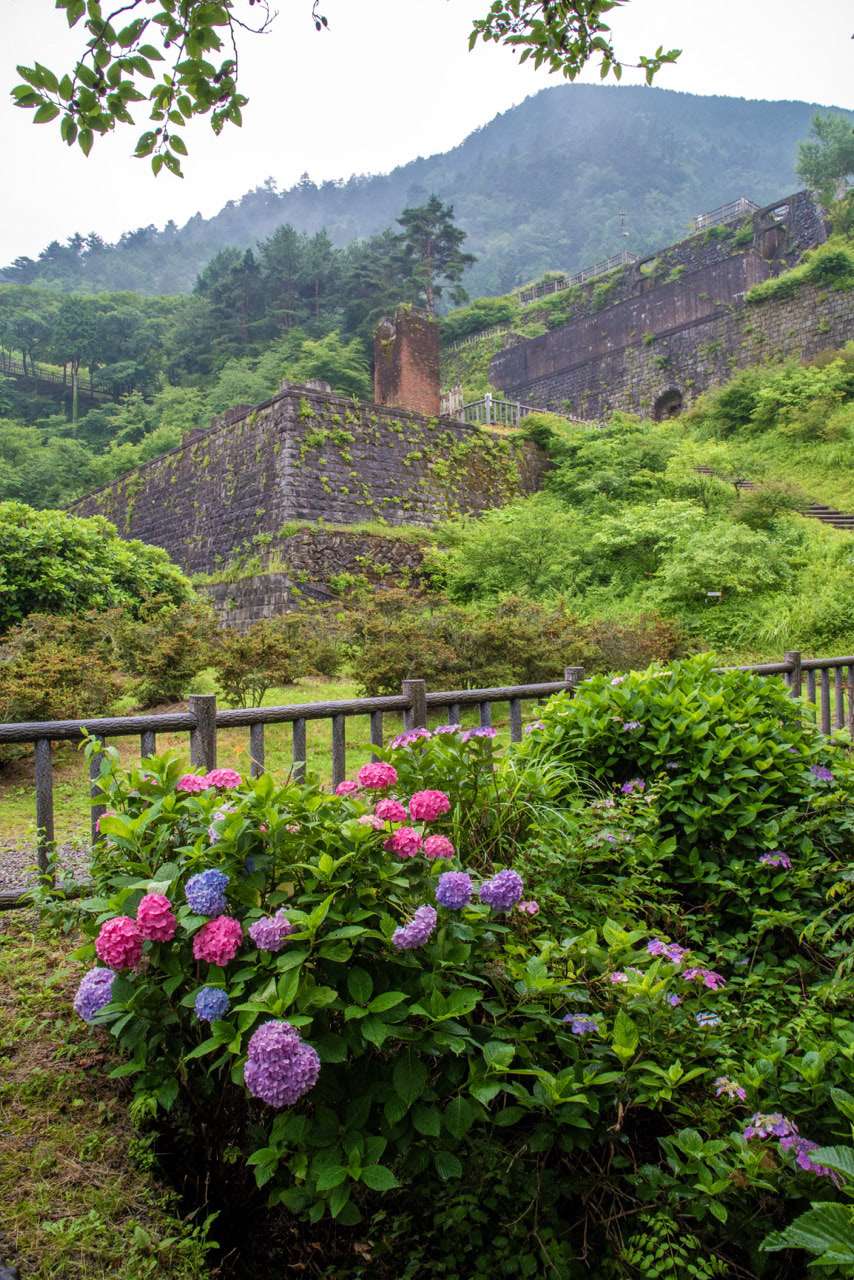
(406, 362)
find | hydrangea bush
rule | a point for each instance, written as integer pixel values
(541, 999)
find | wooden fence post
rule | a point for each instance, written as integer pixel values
(44, 807)
(573, 677)
(794, 675)
(415, 715)
(203, 737)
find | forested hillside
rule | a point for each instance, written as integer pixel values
(542, 186)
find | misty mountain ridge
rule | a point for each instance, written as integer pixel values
(569, 177)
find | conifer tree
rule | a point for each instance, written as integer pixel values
(432, 246)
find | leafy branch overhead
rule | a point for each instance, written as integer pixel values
(196, 41)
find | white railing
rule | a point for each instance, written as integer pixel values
(621, 259)
(725, 213)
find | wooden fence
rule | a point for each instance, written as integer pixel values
(829, 703)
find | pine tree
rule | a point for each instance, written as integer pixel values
(432, 247)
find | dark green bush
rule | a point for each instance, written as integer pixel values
(58, 668)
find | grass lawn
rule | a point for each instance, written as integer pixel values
(77, 1197)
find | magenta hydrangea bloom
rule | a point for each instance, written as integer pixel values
(271, 933)
(94, 992)
(427, 806)
(192, 783)
(390, 811)
(416, 933)
(371, 820)
(438, 847)
(154, 918)
(108, 813)
(347, 787)
(280, 1067)
(406, 842)
(409, 736)
(619, 976)
(454, 890)
(119, 944)
(218, 941)
(503, 891)
(377, 776)
(224, 778)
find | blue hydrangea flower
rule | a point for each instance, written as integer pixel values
(205, 892)
(819, 772)
(212, 1003)
(94, 992)
(580, 1025)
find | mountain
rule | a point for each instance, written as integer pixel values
(546, 185)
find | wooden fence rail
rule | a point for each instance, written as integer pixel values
(829, 704)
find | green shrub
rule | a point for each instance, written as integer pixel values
(58, 668)
(275, 651)
(165, 648)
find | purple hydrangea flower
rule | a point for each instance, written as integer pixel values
(631, 725)
(483, 732)
(776, 859)
(580, 1025)
(670, 950)
(636, 784)
(212, 1003)
(409, 736)
(729, 1088)
(802, 1148)
(769, 1125)
(707, 1019)
(672, 764)
(503, 891)
(94, 992)
(714, 981)
(447, 728)
(672, 999)
(416, 933)
(205, 892)
(280, 1067)
(534, 725)
(454, 890)
(271, 933)
(822, 774)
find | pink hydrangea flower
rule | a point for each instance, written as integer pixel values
(154, 918)
(619, 976)
(192, 782)
(438, 847)
(223, 778)
(108, 813)
(377, 776)
(347, 787)
(529, 908)
(426, 806)
(119, 944)
(218, 941)
(371, 820)
(405, 842)
(390, 811)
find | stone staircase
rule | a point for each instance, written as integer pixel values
(815, 510)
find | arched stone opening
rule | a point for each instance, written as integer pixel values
(668, 405)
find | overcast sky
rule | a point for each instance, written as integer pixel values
(390, 80)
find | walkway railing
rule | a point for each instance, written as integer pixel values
(725, 213)
(476, 337)
(589, 273)
(17, 369)
(829, 703)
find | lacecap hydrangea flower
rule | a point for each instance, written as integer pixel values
(271, 933)
(154, 918)
(454, 890)
(438, 847)
(503, 891)
(405, 842)
(426, 806)
(670, 950)
(218, 941)
(223, 778)
(580, 1025)
(635, 784)
(377, 776)
(416, 933)
(280, 1067)
(714, 981)
(94, 992)
(776, 859)
(724, 1087)
(119, 943)
(205, 892)
(212, 1003)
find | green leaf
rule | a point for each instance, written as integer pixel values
(825, 1230)
(458, 1117)
(378, 1177)
(626, 1036)
(409, 1076)
(498, 1054)
(330, 1177)
(426, 1120)
(388, 1000)
(447, 1165)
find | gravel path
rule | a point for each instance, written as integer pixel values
(18, 863)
